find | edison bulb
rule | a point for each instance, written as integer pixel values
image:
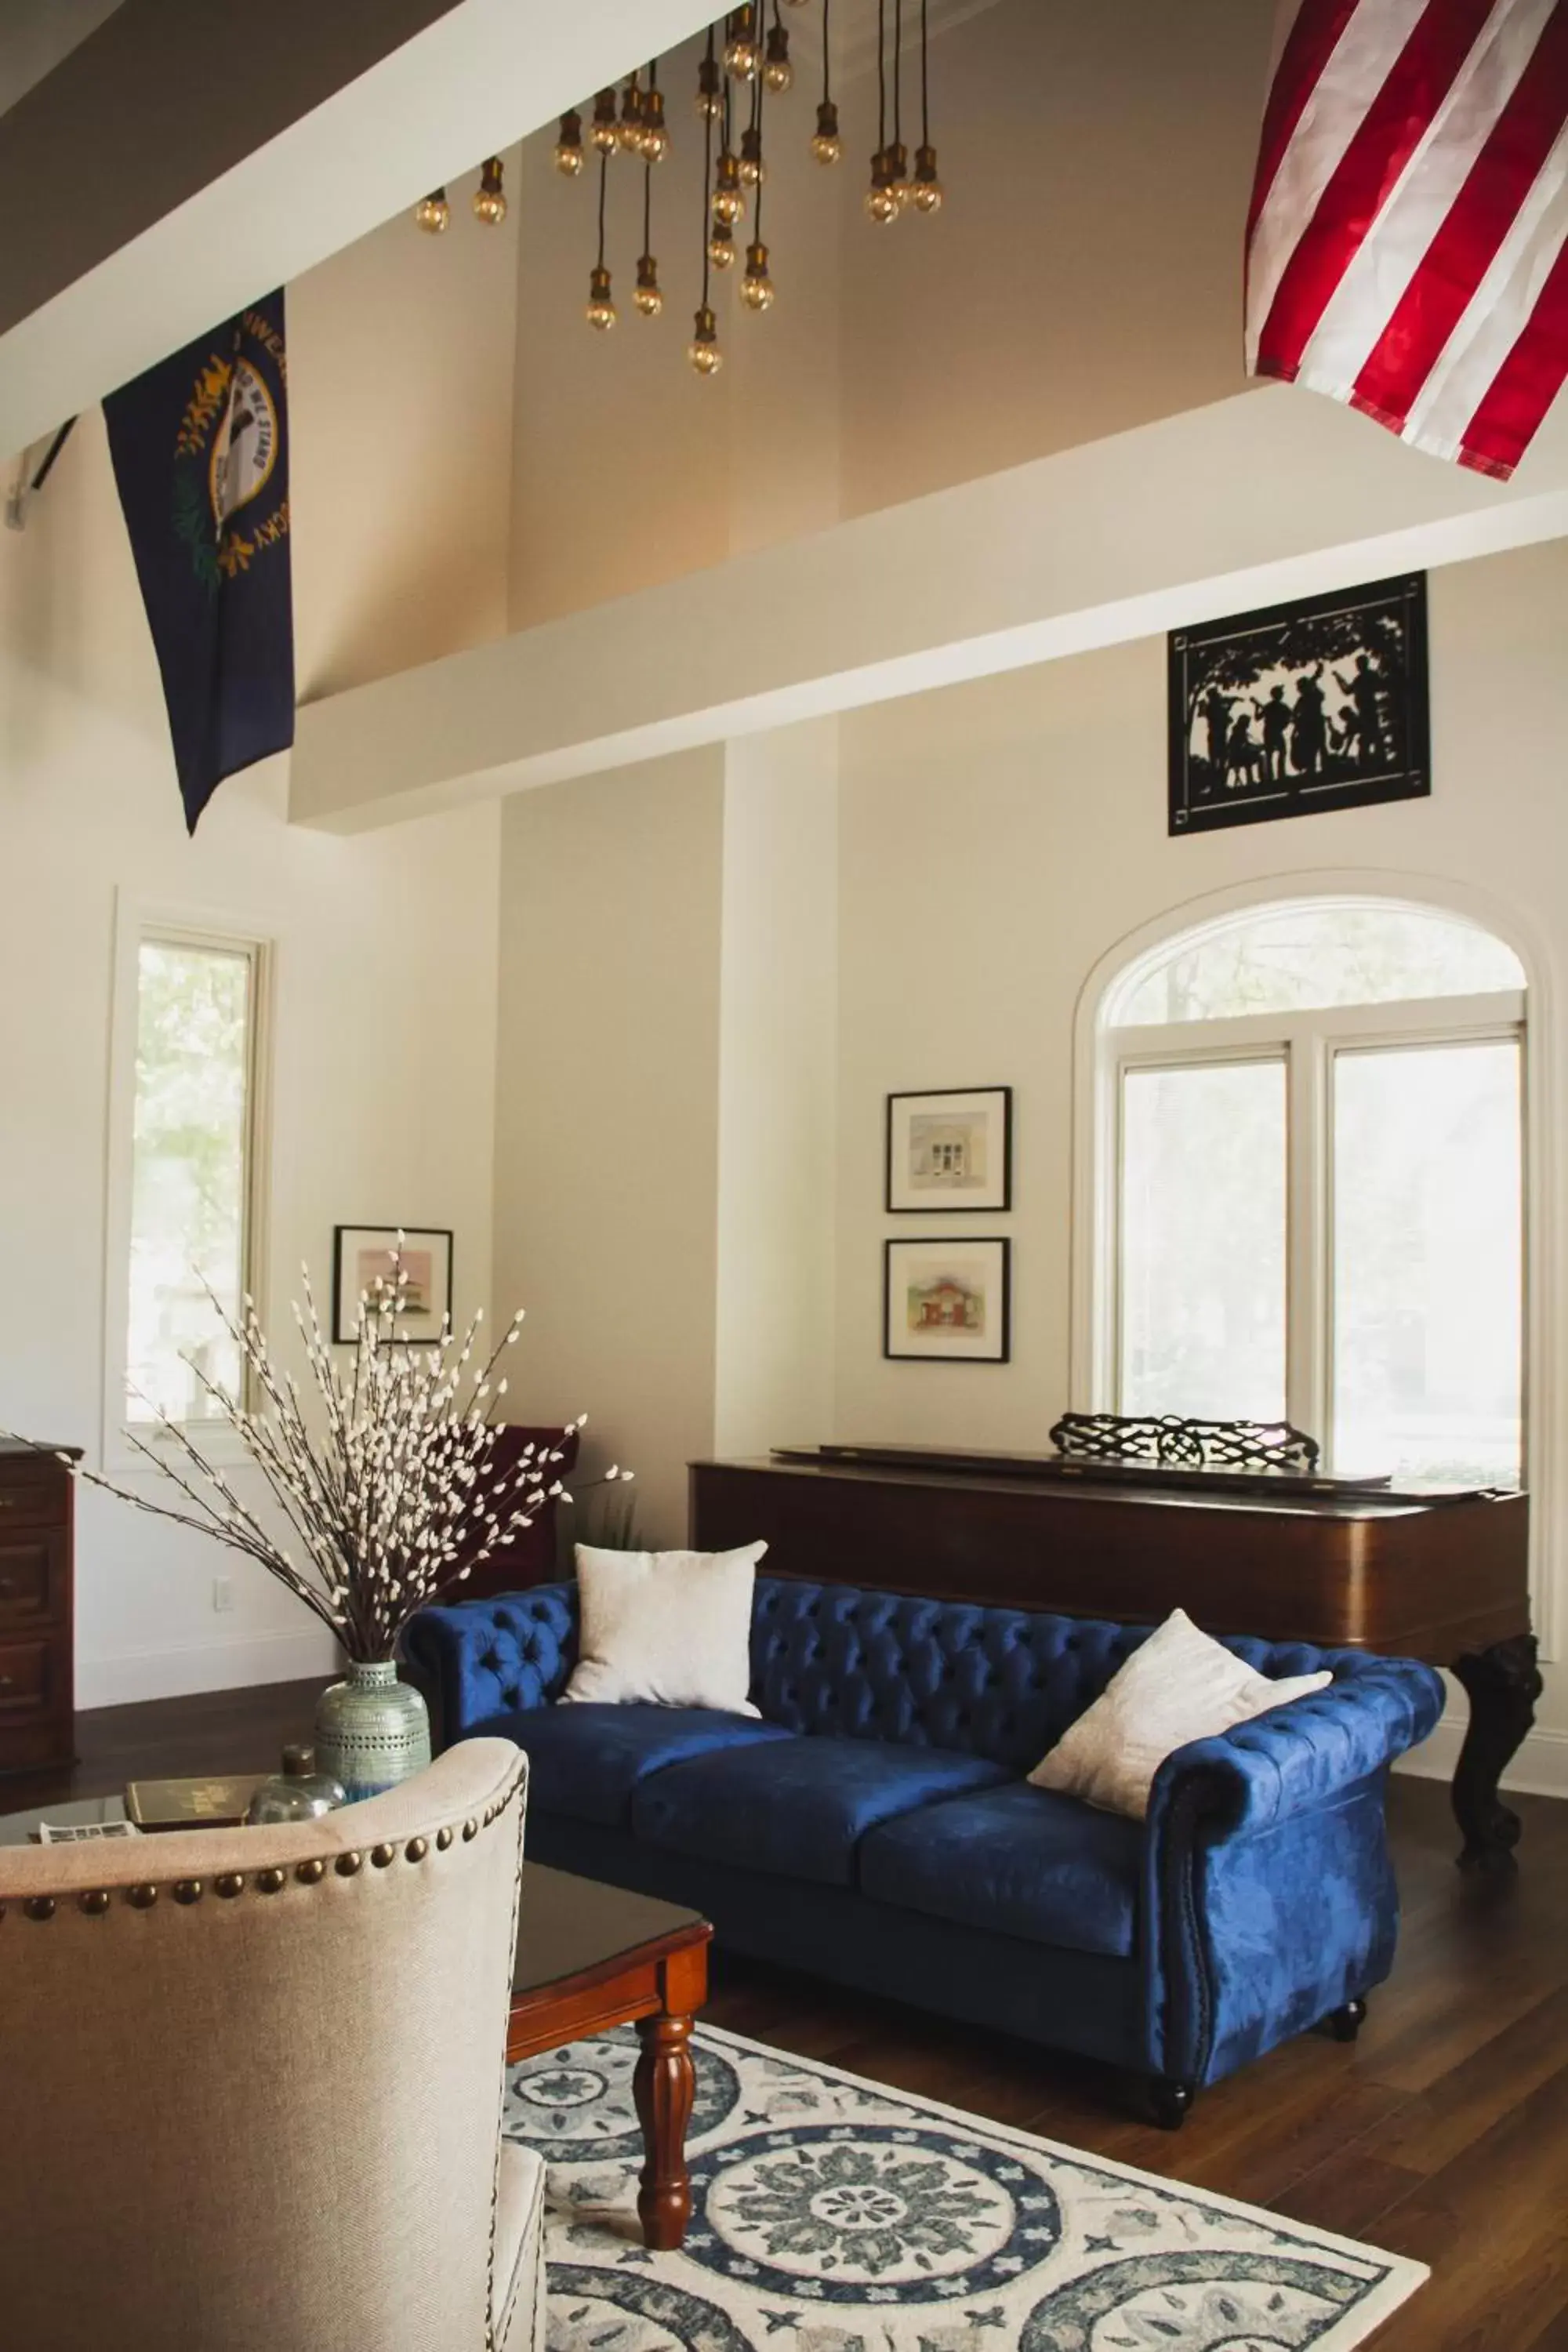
(728, 195)
(568, 145)
(606, 130)
(927, 195)
(754, 171)
(882, 204)
(628, 132)
(777, 71)
(600, 308)
(741, 48)
(490, 201)
(898, 174)
(827, 146)
(710, 91)
(757, 288)
(722, 246)
(655, 136)
(649, 295)
(433, 214)
(703, 349)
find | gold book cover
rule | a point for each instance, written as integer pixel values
(217, 1802)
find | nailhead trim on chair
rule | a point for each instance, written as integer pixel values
(95, 1901)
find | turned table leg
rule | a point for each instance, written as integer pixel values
(663, 2086)
(1502, 1684)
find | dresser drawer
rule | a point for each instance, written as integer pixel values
(34, 1499)
(32, 1580)
(25, 1681)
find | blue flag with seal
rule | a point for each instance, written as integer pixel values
(200, 449)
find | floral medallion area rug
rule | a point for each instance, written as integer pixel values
(834, 2215)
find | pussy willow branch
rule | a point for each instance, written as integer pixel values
(396, 1501)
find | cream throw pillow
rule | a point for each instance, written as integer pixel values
(1177, 1686)
(668, 1628)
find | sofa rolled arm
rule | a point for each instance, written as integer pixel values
(1302, 1755)
(491, 1659)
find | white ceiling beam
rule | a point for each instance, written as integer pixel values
(1272, 494)
(284, 193)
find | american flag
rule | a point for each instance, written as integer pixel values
(1405, 243)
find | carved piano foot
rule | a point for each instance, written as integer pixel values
(1170, 2101)
(1344, 2024)
(1502, 1684)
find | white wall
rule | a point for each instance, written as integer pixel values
(383, 1048)
(999, 839)
(607, 1149)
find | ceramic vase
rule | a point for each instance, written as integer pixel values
(372, 1731)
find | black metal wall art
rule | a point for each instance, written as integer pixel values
(1319, 704)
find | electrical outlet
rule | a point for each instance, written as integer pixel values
(222, 1594)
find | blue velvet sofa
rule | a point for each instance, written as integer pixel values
(874, 1826)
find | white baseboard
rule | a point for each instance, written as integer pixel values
(1540, 1768)
(135, 1675)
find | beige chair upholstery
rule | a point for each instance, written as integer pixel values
(251, 2082)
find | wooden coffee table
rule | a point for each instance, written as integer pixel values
(589, 1956)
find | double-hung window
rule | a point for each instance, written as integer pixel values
(1314, 1114)
(191, 1036)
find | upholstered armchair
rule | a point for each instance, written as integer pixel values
(252, 2083)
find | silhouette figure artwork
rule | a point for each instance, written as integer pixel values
(1318, 704)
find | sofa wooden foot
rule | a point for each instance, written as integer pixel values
(1345, 2024)
(1170, 2101)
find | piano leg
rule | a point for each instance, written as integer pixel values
(1502, 1684)
(1170, 2101)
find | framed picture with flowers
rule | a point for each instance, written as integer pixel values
(418, 1256)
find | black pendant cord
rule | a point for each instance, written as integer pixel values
(758, 96)
(707, 192)
(898, 73)
(827, 53)
(604, 186)
(646, 210)
(881, 77)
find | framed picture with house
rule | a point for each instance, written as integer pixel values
(950, 1153)
(947, 1301)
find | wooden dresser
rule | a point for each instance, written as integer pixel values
(38, 1716)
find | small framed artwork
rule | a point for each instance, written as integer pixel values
(947, 1302)
(951, 1151)
(1319, 704)
(363, 1255)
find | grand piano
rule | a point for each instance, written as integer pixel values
(1129, 1519)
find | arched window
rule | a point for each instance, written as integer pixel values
(1312, 1195)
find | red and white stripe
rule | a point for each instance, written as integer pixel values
(1406, 249)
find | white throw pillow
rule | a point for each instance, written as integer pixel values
(1177, 1686)
(669, 1628)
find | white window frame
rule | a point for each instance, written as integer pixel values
(138, 920)
(1307, 1042)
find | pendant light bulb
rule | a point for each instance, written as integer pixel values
(754, 171)
(729, 192)
(607, 132)
(649, 295)
(827, 146)
(740, 46)
(600, 308)
(927, 195)
(568, 145)
(777, 71)
(433, 214)
(654, 132)
(489, 198)
(898, 173)
(704, 350)
(882, 204)
(709, 91)
(722, 246)
(628, 132)
(757, 288)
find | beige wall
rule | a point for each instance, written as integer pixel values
(608, 1113)
(382, 1049)
(999, 839)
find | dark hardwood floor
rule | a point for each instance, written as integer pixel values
(1443, 2134)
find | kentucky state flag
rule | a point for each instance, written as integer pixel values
(200, 445)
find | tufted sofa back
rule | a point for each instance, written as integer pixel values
(827, 1658)
(1003, 1684)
